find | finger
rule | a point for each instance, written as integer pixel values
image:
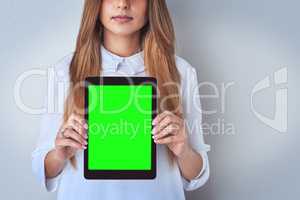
(66, 142)
(69, 133)
(160, 116)
(170, 129)
(71, 125)
(78, 119)
(166, 140)
(167, 120)
(76, 126)
(79, 128)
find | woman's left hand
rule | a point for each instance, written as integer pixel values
(170, 129)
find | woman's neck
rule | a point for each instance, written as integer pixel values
(123, 46)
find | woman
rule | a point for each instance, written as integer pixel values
(136, 38)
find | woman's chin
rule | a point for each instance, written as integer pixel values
(123, 32)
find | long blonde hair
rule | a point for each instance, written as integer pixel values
(158, 43)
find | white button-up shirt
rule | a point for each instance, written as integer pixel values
(169, 184)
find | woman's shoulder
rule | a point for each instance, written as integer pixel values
(64, 62)
(61, 66)
(184, 67)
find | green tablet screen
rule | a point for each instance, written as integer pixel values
(119, 133)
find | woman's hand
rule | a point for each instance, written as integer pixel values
(170, 129)
(71, 137)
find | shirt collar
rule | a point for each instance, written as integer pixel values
(111, 61)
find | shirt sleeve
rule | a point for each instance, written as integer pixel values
(50, 122)
(51, 119)
(49, 125)
(193, 117)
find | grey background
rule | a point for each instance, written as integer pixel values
(227, 41)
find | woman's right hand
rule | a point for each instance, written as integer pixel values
(71, 137)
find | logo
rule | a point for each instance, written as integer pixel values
(279, 120)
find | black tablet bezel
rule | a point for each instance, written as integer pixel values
(121, 174)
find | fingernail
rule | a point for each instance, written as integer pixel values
(85, 142)
(85, 126)
(154, 130)
(83, 134)
(153, 122)
(84, 147)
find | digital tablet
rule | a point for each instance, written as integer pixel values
(119, 112)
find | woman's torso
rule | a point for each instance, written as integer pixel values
(166, 186)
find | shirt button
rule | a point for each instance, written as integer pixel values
(117, 66)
